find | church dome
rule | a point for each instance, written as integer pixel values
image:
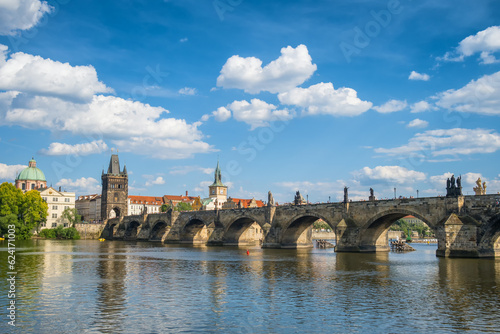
(31, 173)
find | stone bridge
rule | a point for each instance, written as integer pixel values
(465, 226)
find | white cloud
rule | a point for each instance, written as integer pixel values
(158, 181)
(388, 174)
(421, 106)
(419, 76)
(480, 96)
(94, 147)
(222, 114)
(485, 43)
(291, 69)
(447, 142)
(183, 40)
(9, 172)
(21, 14)
(418, 123)
(203, 186)
(187, 91)
(322, 98)
(82, 185)
(257, 113)
(391, 106)
(35, 75)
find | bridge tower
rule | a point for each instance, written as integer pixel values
(114, 190)
(218, 190)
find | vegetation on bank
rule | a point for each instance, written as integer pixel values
(26, 211)
(320, 224)
(60, 233)
(421, 228)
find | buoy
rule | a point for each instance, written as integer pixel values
(248, 252)
(102, 239)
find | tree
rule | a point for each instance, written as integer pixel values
(164, 208)
(184, 207)
(24, 211)
(72, 216)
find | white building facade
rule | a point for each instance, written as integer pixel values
(57, 202)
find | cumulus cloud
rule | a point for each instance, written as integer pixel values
(35, 75)
(44, 94)
(324, 99)
(187, 91)
(21, 15)
(9, 172)
(94, 147)
(388, 174)
(418, 123)
(203, 186)
(257, 113)
(158, 181)
(480, 96)
(419, 76)
(391, 106)
(447, 142)
(421, 107)
(222, 114)
(485, 42)
(291, 69)
(83, 185)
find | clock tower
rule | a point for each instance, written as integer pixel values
(218, 190)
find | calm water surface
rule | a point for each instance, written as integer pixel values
(141, 287)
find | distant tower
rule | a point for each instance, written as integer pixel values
(31, 178)
(114, 190)
(217, 189)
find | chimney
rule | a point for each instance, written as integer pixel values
(186, 193)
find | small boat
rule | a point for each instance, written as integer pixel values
(102, 239)
(2, 238)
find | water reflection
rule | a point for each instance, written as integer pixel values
(141, 287)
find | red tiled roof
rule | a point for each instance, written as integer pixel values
(246, 202)
(143, 199)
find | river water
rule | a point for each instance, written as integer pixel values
(88, 286)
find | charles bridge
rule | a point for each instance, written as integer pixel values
(465, 226)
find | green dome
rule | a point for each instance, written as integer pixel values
(31, 173)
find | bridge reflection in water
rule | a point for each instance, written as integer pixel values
(465, 226)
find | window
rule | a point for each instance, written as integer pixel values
(54, 215)
(44, 198)
(23, 186)
(54, 224)
(54, 207)
(32, 186)
(66, 200)
(55, 199)
(65, 224)
(43, 224)
(66, 207)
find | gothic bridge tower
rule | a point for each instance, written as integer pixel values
(114, 190)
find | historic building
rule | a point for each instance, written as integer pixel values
(114, 195)
(89, 207)
(31, 178)
(217, 192)
(57, 201)
(138, 205)
(233, 203)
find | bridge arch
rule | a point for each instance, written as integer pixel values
(490, 241)
(244, 231)
(374, 235)
(132, 230)
(159, 231)
(297, 232)
(195, 231)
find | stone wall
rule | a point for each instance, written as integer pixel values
(90, 231)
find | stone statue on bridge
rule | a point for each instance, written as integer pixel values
(452, 189)
(299, 199)
(480, 189)
(270, 199)
(346, 196)
(372, 196)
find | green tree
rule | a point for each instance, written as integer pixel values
(25, 211)
(164, 208)
(72, 216)
(184, 207)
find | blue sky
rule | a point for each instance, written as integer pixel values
(289, 95)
